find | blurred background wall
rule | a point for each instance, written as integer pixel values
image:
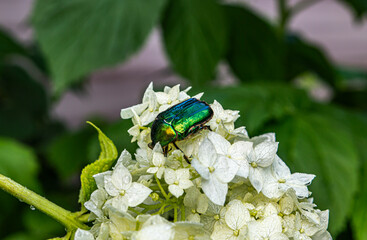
(328, 23)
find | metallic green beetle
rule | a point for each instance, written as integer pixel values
(179, 122)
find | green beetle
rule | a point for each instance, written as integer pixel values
(179, 122)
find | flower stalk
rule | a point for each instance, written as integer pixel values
(65, 217)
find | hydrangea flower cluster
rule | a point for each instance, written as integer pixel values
(235, 186)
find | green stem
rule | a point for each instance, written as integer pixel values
(66, 218)
(161, 188)
(175, 215)
(183, 212)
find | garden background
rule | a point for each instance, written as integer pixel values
(294, 67)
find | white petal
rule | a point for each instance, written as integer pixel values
(155, 232)
(280, 169)
(99, 178)
(200, 168)
(215, 190)
(83, 235)
(221, 145)
(185, 184)
(207, 154)
(237, 215)
(121, 177)
(175, 190)
(110, 187)
(136, 194)
(301, 178)
(265, 153)
(125, 158)
(271, 190)
(162, 98)
(183, 173)
(127, 113)
(243, 169)
(170, 176)
(256, 178)
(225, 169)
(239, 149)
(119, 202)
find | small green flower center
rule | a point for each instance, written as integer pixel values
(216, 217)
(282, 180)
(211, 169)
(151, 109)
(218, 121)
(154, 196)
(301, 230)
(193, 211)
(280, 214)
(254, 164)
(253, 212)
(176, 182)
(169, 102)
(236, 232)
(191, 237)
(122, 193)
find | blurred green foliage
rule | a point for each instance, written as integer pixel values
(74, 38)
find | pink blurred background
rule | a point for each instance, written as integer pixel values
(327, 23)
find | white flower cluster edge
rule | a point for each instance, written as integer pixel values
(236, 186)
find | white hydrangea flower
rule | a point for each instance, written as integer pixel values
(95, 203)
(125, 192)
(235, 225)
(216, 170)
(283, 180)
(196, 203)
(158, 161)
(222, 118)
(259, 158)
(236, 152)
(178, 180)
(212, 216)
(269, 228)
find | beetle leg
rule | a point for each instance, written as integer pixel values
(165, 150)
(186, 158)
(206, 127)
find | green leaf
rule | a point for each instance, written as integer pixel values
(357, 125)
(9, 45)
(117, 132)
(195, 38)
(259, 103)
(358, 6)
(321, 145)
(79, 36)
(359, 214)
(304, 57)
(19, 163)
(68, 152)
(255, 52)
(105, 161)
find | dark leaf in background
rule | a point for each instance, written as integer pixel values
(9, 46)
(356, 123)
(79, 36)
(259, 103)
(318, 144)
(255, 52)
(358, 6)
(195, 37)
(23, 103)
(304, 57)
(68, 152)
(19, 163)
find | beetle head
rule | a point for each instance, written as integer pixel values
(163, 133)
